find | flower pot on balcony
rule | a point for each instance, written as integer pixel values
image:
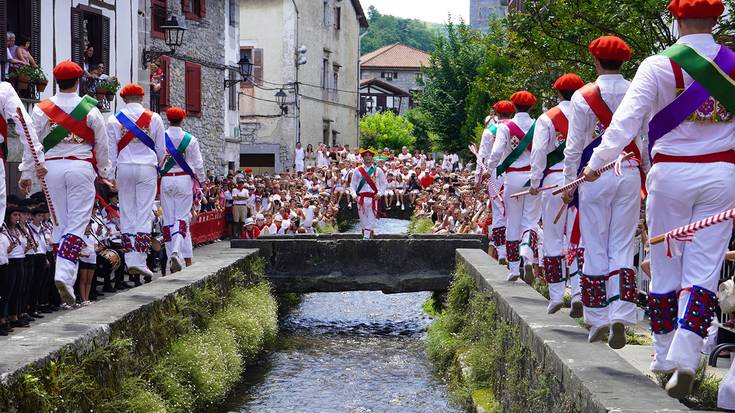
(41, 85)
(99, 94)
(22, 82)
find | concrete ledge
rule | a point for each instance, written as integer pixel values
(81, 330)
(392, 264)
(596, 377)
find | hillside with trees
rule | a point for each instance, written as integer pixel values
(385, 30)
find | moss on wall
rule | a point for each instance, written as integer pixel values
(420, 225)
(484, 360)
(185, 356)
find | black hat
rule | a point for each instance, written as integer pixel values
(39, 210)
(14, 199)
(38, 196)
(27, 202)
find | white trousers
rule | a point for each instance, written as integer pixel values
(609, 214)
(177, 196)
(498, 212)
(678, 194)
(137, 192)
(3, 191)
(368, 219)
(726, 395)
(553, 245)
(522, 214)
(71, 184)
(575, 268)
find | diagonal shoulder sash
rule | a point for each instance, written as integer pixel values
(711, 78)
(493, 128)
(525, 143)
(561, 125)
(367, 179)
(73, 122)
(177, 156)
(4, 143)
(135, 130)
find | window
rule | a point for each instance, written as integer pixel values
(234, 12)
(158, 18)
(335, 77)
(325, 17)
(325, 73)
(389, 75)
(164, 99)
(325, 132)
(194, 9)
(232, 101)
(334, 137)
(89, 28)
(193, 88)
(337, 18)
(22, 18)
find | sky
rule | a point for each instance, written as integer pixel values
(434, 11)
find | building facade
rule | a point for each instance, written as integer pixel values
(390, 76)
(482, 10)
(310, 50)
(193, 77)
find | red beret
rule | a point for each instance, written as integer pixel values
(610, 48)
(696, 9)
(67, 70)
(175, 113)
(569, 81)
(132, 89)
(523, 98)
(248, 170)
(504, 106)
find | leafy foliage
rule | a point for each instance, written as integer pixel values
(386, 130)
(385, 30)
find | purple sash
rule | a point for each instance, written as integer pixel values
(686, 103)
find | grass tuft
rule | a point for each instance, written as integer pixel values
(420, 225)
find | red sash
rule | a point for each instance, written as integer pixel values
(560, 122)
(516, 131)
(143, 122)
(368, 179)
(593, 97)
(4, 133)
(57, 115)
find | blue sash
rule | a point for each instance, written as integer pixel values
(135, 130)
(179, 158)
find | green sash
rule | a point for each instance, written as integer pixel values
(363, 181)
(79, 113)
(493, 128)
(180, 149)
(516, 153)
(719, 84)
(553, 158)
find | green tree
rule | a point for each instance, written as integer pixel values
(386, 130)
(385, 30)
(421, 121)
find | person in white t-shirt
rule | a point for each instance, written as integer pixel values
(308, 211)
(240, 197)
(404, 155)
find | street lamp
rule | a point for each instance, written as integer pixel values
(173, 35)
(369, 105)
(245, 68)
(281, 101)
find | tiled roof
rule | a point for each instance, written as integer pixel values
(396, 55)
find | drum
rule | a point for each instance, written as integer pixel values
(111, 257)
(156, 243)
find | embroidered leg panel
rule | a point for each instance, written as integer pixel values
(594, 291)
(700, 311)
(663, 309)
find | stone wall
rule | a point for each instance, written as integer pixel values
(344, 262)
(592, 376)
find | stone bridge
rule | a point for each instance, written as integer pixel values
(345, 262)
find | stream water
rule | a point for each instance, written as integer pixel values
(348, 352)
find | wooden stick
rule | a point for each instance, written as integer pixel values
(579, 181)
(37, 162)
(558, 214)
(495, 189)
(522, 193)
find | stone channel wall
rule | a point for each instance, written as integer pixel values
(345, 262)
(131, 313)
(593, 376)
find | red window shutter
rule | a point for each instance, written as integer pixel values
(258, 66)
(193, 86)
(164, 100)
(185, 6)
(202, 8)
(158, 17)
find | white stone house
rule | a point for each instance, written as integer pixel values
(311, 50)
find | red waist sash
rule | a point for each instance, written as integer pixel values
(726, 156)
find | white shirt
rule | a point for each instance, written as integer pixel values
(240, 193)
(299, 156)
(502, 146)
(37, 232)
(378, 178)
(136, 152)
(583, 122)
(404, 156)
(73, 145)
(4, 244)
(193, 154)
(652, 89)
(545, 141)
(9, 103)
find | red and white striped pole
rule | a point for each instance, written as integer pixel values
(44, 187)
